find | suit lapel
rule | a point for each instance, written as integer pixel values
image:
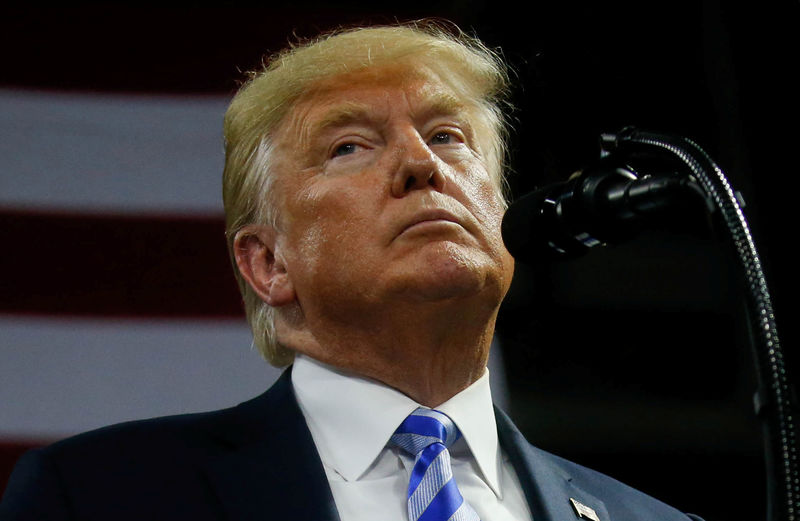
(270, 468)
(551, 493)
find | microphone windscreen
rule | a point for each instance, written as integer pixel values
(522, 228)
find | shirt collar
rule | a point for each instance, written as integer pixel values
(473, 413)
(351, 418)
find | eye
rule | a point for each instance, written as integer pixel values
(442, 138)
(344, 149)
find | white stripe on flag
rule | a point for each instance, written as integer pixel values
(111, 153)
(63, 376)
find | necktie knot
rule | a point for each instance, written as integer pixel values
(423, 428)
(432, 491)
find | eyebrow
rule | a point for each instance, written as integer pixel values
(441, 104)
(339, 116)
(346, 113)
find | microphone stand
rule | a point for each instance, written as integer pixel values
(774, 401)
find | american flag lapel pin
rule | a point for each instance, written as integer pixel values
(584, 511)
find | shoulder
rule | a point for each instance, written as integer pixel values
(183, 434)
(81, 476)
(150, 456)
(621, 500)
(128, 443)
(174, 438)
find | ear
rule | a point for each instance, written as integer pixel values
(261, 266)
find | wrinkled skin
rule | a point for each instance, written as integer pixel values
(387, 260)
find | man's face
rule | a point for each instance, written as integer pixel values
(384, 197)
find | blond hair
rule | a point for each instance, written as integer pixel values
(474, 72)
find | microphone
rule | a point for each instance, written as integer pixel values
(605, 203)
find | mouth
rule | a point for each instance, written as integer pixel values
(430, 219)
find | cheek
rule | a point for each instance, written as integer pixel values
(482, 198)
(488, 208)
(329, 224)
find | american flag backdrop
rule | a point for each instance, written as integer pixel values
(117, 300)
(117, 296)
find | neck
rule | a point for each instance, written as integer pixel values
(429, 352)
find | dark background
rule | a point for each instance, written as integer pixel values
(631, 360)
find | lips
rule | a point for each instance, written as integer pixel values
(431, 215)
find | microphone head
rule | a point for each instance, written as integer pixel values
(521, 228)
(533, 230)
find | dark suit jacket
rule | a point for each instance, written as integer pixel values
(257, 461)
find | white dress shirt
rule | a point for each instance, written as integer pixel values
(351, 419)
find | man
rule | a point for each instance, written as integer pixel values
(363, 195)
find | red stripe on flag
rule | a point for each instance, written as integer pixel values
(113, 265)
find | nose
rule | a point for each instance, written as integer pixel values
(418, 167)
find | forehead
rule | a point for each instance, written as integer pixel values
(369, 95)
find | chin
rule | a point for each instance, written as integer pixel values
(453, 272)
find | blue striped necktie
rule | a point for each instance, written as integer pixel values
(432, 491)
